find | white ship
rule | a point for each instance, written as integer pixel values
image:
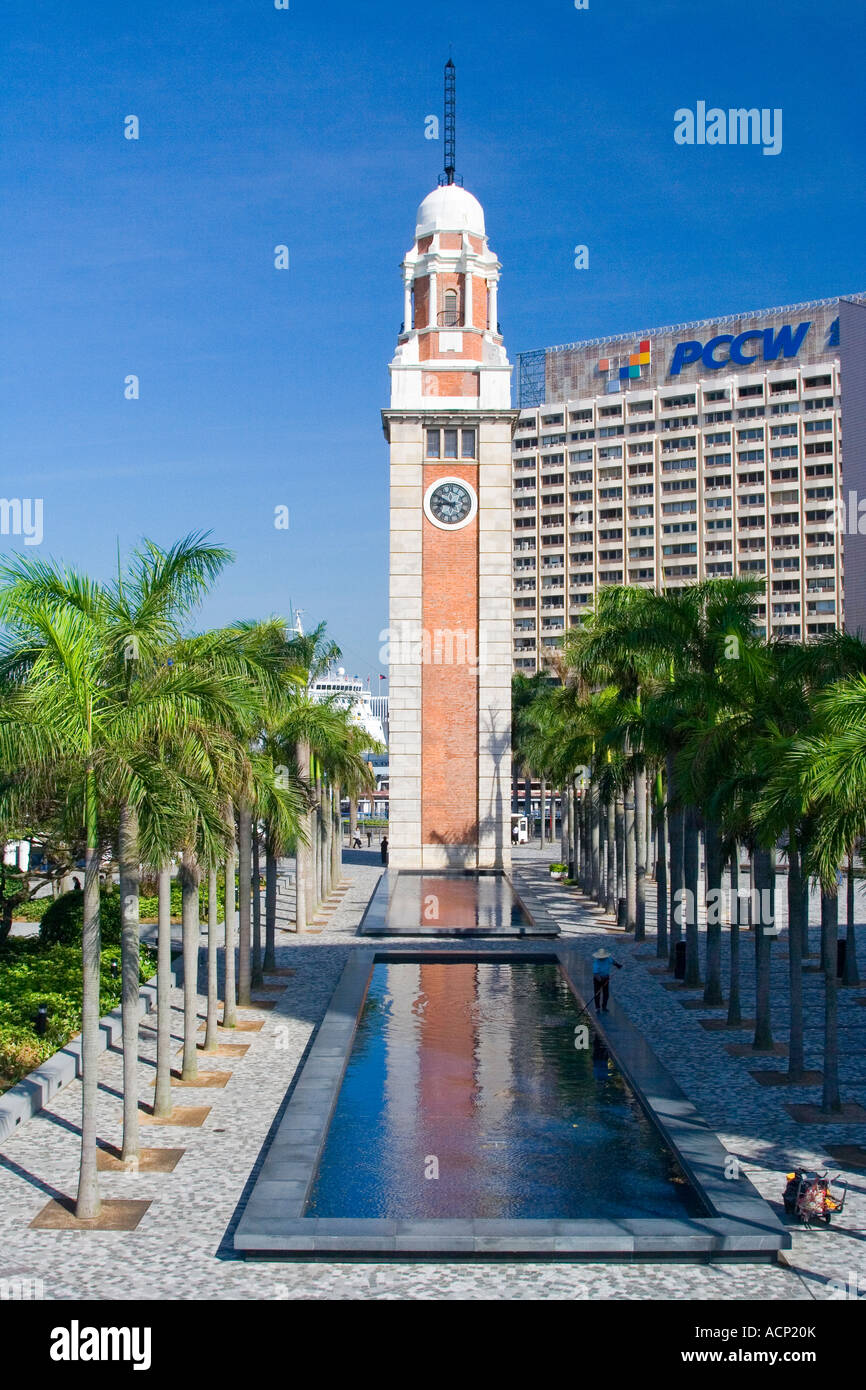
(350, 693)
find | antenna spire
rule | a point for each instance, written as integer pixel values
(449, 175)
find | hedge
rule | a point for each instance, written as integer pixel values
(32, 974)
(35, 910)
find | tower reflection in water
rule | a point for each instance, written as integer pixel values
(465, 1096)
(453, 901)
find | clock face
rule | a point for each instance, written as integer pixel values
(450, 502)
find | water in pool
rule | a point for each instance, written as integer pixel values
(470, 1070)
(449, 901)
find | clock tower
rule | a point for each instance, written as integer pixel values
(449, 428)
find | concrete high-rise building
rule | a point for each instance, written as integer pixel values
(675, 454)
(449, 428)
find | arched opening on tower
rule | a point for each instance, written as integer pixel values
(450, 316)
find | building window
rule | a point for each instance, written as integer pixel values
(444, 444)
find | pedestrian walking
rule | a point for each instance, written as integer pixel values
(384, 848)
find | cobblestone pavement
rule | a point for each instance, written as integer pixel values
(182, 1246)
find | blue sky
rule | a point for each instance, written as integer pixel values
(261, 388)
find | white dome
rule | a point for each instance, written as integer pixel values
(449, 208)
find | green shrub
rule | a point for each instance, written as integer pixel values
(32, 974)
(34, 910)
(63, 923)
(149, 900)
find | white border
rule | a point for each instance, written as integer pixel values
(451, 525)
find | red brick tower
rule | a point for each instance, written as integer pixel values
(449, 427)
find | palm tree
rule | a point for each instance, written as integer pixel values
(129, 624)
(54, 649)
(524, 691)
(828, 766)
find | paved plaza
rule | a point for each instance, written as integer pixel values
(182, 1247)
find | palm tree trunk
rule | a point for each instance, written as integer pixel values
(661, 872)
(230, 1016)
(256, 977)
(763, 923)
(325, 842)
(595, 832)
(565, 828)
(302, 848)
(543, 799)
(211, 1039)
(130, 969)
(713, 890)
(245, 851)
(610, 885)
(332, 836)
(353, 819)
(162, 1102)
(311, 879)
(270, 902)
(691, 866)
(796, 1057)
(831, 1101)
(850, 974)
(527, 803)
(574, 867)
(337, 838)
(806, 897)
(321, 818)
(675, 833)
(640, 867)
(735, 1014)
(630, 857)
(586, 838)
(190, 877)
(87, 1203)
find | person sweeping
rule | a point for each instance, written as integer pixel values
(602, 961)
